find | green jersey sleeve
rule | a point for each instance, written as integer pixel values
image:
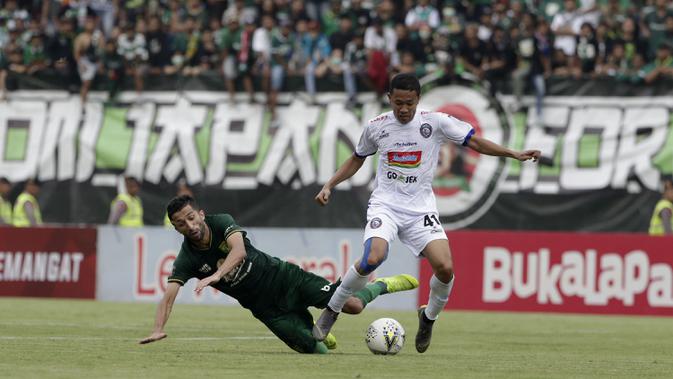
(182, 269)
(225, 224)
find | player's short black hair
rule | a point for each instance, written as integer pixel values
(4, 180)
(405, 82)
(179, 202)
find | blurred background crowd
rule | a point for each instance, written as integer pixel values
(260, 43)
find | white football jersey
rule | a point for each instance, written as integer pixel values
(408, 156)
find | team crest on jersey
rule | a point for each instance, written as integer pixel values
(375, 223)
(205, 268)
(426, 130)
(408, 159)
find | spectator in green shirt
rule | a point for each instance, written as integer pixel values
(662, 67)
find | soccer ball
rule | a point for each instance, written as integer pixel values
(385, 336)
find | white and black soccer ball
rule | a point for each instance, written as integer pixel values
(385, 336)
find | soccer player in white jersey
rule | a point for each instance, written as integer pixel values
(408, 141)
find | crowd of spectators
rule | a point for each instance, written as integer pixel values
(262, 42)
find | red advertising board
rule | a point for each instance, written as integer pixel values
(48, 262)
(560, 272)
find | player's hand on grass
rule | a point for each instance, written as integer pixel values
(156, 336)
(528, 155)
(323, 196)
(205, 282)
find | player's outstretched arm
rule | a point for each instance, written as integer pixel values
(487, 147)
(163, 311)
(348, 169)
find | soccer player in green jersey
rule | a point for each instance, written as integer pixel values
(278, 293)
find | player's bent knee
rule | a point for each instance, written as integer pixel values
(353, 306)
(372, 257)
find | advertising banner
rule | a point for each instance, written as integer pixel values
(560, 272)
(135, 263)
(605, 149)
(48, 262)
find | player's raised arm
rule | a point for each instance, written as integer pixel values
(347, 169)
(163, 311)
(487, 147)
(236, 255)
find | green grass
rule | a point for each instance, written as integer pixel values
(78, 339)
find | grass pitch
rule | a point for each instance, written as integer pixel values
(84, 339)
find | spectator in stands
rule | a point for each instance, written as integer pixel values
(422, 14)
(261, 46)
(4, 65)
(127, 208)
(356, 67)
(380, 42)
(5, 204)
(114, 67)
(587, 51)
(27, 209)
(298, 11)
(633, 43)
(472, 52)
(317, 50)
(654, 24)
(604, 43)
(340, 38)
(499, 60)
(661, 222)
(34, 56)
(245, 56)
(158, 47)
(208, 54)
(330, 19)
(282, 44)
(229, 37)
(360, 17)
(133, 47)
(60, 50)
(192, 46)
(532, 65)
(662, 67)
(408, 65)
(566, 25)
(616, 64)
(87, 49)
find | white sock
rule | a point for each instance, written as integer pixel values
(439, 296)
(351, 283)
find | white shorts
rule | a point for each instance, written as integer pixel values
(415, 231)
(87, 69)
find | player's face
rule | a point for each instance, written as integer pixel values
(190, 223)
(404, 104)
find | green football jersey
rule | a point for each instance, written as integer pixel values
(247, 283)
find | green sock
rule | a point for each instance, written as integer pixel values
(320, 348)
(371, 292)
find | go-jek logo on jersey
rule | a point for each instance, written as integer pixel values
(407, 159)
(466, 183)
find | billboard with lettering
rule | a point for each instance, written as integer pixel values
(135, 263)
(560, 272)
(48, 262)
(603, 155)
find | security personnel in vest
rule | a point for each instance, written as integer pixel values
(127, 209)
(662, 217)
(26, 209)
(5, 204)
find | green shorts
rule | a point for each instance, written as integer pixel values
(285, 311)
